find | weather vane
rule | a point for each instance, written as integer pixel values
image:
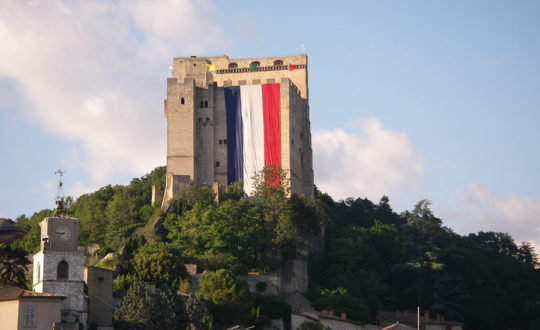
(60, 192)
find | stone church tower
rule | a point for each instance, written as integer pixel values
(200, 132)
(59, 267)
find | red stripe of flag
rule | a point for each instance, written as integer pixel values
(272, 126)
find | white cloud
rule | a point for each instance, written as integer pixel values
(477, 208)
(94, 72)
(370, 162)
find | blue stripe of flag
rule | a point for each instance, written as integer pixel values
(235, 160)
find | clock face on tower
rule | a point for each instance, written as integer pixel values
(62, 233)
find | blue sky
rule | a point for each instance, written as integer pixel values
(412, 99)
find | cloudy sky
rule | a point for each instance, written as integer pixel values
(410, 99)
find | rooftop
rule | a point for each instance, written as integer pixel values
(10, 292)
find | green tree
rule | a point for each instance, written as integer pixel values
(160, 263)
(141, 310)
(13, 264)
(187, 198)
(157, 177)
(312, 325)
(90, 209)
(228, 298)
(31, 241)
(271, 191)
(198, 314)
(340, 300)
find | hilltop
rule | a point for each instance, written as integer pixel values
(374, 258)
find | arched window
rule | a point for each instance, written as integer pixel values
(182, 101)
(233, 65)
(256, 63)
(202, 104)
(206, 104)
(62, 271)
(278, 62)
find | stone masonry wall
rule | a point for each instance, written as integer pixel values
(196, 117)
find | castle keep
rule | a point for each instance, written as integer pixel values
(228, 118)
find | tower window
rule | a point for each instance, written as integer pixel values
(202, 104)
(217, 164)
(256, 63)
(278, 62)
(233, 65)
(206, 104)
(62, 271)
(182, 101)
(220, 141)
(225, 141)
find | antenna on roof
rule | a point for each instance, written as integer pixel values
(60, 192)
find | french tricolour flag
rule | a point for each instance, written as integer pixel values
(253, 131)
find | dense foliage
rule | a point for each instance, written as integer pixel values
(13, 264)
(375, 259)
(378, 260)
(241, 233)
(143, 310)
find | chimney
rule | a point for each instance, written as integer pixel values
(331, 313)
(426, 315)
(324, 311)
(343, 315)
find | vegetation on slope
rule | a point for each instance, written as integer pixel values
(375, 258)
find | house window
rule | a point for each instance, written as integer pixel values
(217, 164)
(278, 62)
(62, 271)
(29, 316)
(233, 65)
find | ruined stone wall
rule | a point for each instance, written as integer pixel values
(294, 276)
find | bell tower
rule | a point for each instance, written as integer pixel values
(59, 266)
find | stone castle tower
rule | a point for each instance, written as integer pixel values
(215, 132)
(59, 267)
